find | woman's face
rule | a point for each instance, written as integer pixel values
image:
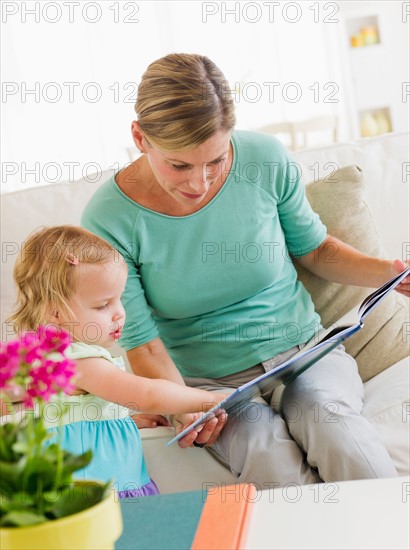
(188, 175)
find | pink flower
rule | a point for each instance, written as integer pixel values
(9, 362)
(36, 362)
(12, 348)
(53, 338)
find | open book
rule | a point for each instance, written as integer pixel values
(324, 342)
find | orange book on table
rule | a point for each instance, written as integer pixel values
(225, 517)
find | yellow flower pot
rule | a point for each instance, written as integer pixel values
(97, 527)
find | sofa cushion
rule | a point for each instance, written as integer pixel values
(384, 161)
(339, 201)
(24, 211)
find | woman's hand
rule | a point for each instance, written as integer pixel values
(150, 420)
(206, 433)
(398, 267)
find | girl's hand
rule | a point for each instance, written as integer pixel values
(398, 267)
(206, 433)
(150, 420)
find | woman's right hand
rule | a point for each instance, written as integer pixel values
(206, 433)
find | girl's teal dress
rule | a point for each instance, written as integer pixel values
(88, 422)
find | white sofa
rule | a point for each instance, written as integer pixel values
(385, 165)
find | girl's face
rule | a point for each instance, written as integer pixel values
(98, 313)
(188, 175)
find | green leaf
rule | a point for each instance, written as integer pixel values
(50, 497)
(21, 447)
(22, 501)
(4, 503)
(40, 433)
(8, 436)
(23, 443)
(11, 474)
(18, 501)
(77, 498)
(72, 463)
(21, 519)
(39, 471)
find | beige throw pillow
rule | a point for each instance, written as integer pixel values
(339, 201)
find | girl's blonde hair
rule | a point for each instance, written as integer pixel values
(46, 271)
(183, 100)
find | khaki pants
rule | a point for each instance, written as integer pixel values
(319, 434)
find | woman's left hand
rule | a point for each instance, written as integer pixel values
(205, 434)
(397, 267)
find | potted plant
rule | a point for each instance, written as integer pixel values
(41, 506)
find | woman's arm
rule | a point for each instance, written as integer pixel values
(99, 377)
(336, 261)
(153, 361)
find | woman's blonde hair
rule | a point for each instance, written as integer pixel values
(46, 271)
(183, 100)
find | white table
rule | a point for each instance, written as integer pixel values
(371, 514)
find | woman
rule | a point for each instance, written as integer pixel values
(207, 219)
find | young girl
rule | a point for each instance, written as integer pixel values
(68, 276)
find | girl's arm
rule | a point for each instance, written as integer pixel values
(99, 377)
(153, 360)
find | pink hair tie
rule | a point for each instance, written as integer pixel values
(71, 259)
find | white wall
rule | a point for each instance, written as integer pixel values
(104, 47)
(379, 76)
